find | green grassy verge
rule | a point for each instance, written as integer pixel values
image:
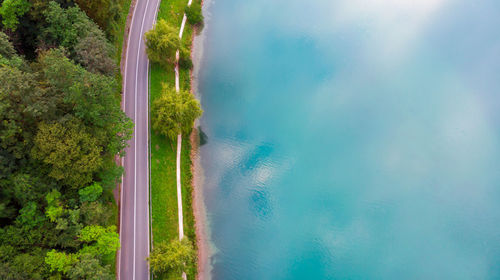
(163, 152)
(120, 31)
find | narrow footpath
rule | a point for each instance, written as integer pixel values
(179, 144)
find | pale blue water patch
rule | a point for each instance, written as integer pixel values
(352, 139)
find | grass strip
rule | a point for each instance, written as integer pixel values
(163, 152)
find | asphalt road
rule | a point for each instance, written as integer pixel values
(134, 219)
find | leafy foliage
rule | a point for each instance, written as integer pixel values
(90, 193)
(6, 48)
(172, 257)
(94, 53)
(11, 10)
(88, 267)
(162, 43)
(71, 153)
(60, 261)
(22, 105)
(61, 126)
(174, 113)
(65, 27)
(105, 13)
(103, 241)
(194, 14)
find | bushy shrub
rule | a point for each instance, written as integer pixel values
(185, 61)
(194, 14)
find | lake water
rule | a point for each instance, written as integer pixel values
(352, 139)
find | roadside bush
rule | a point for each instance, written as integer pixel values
(185, 61)
(194, 14)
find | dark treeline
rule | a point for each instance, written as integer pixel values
(60, 128)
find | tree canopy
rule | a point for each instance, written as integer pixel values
(162, 43)
(172, 257)
(71, 153)
(174, 113)
(11, 10)
(61, 127)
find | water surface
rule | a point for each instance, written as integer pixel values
(352, 139)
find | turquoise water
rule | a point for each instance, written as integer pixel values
(352, 139)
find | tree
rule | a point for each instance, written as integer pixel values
(88, 96)
(54, 208)
(29, 216)
(174, 113)
(71, 153)
(94, 53)
(65, 27)
(102, 241)
(162, 43)
(194, 14)
(95, 213)
(11, 10)
(22, 105)
(106, 13)
(61, 126)
(6, 48)
(90, 193)
(172, 257)
(89, 267)
(60, 261)
(24, 266)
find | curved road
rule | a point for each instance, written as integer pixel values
(134, 207)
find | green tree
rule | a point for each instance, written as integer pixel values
(65, 27)
(162, 43)
(22, 105)
(90, 193)
(71, 153)
(94, 53)
(95, 213)
(174, 113)
(106, 13)
(29, 216)
(194, 14)
(173, 257)
(54, 208)
(102, 241)
(60, 261)
(11, 10)
(88, 96)
(89, 267)
(6, 48)
(20, 266)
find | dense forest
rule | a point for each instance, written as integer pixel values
(61, 127)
